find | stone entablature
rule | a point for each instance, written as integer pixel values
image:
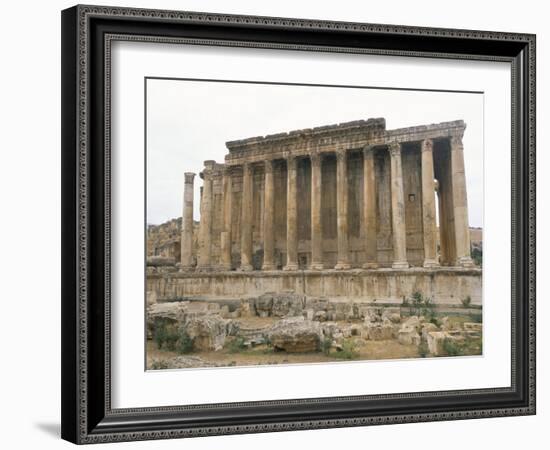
(331, 138)
(339, 196)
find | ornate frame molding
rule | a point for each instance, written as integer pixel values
(86, 421)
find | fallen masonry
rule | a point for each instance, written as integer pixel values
(294, 323)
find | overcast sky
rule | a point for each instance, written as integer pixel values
(189, 122)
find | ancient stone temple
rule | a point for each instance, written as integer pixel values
(337, 197)
(340, 213)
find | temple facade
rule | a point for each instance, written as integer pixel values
(337, 197)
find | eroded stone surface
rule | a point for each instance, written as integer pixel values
(295, 335)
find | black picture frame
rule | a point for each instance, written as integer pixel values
(87, 416)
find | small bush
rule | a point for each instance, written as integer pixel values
(168, 337)
(452, 348)
(477, 256)
(466, 301)
(421, 306)
(163, 333)
(236, 345)
(349, 351)
(326, 344)
(184, 343)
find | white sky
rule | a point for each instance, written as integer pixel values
(189, 122)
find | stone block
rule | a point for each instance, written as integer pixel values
(408, 335)
(436, 341)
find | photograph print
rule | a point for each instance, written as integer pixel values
(296, 224)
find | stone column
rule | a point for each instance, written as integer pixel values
(342, 210)
(205, 228)
(428, 205)
(398, 209)
(246, 219)
(316, 224)
(291, 216)
(369, 208)
(460, 203)
(225, 237)
(186, 261)
(269, 216)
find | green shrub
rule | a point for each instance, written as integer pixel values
(168, 337)
(326, 344)
(349, 351)
(184, 343)
(236, 345)
(452, 348)
(163, 332)
(466, 301)
(477, 256)
(421, 306)
(423, 349)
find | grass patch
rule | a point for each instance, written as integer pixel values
(236, 345)
(465, 348)
(349, 351)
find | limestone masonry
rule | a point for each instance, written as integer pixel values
(340, 210)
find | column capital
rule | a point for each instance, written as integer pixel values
(247, 167)
(315, 158)
(368, 150)
(291, 161)
(341, 154)
(456, 139)
(269, 166)
(227, 170)
(427, 145)
(189, 177)
(394, 148)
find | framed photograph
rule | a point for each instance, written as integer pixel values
(279, 224)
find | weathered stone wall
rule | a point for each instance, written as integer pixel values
(444, 285)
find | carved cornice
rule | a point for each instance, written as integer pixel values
(259, 149)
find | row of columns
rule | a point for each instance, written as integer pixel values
(369, 213)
